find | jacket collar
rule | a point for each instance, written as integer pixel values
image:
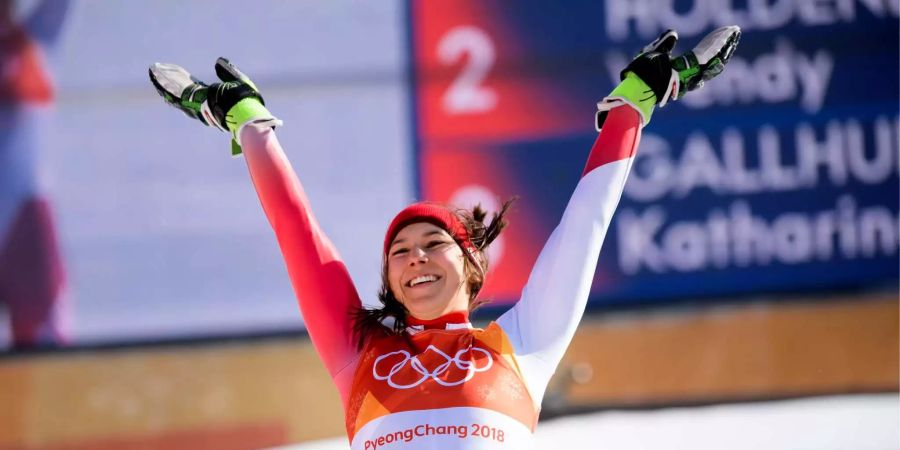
(456, 320)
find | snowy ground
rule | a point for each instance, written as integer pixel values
(857, 422)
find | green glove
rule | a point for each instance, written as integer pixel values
(654, 77)
(228, 105)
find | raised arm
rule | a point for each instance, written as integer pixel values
(320, 279)
(541, 325)
(543, 322)
(323, 287)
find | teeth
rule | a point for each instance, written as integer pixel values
(422, 279)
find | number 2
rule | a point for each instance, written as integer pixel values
(466, 94)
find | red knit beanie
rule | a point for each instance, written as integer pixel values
(435, 214)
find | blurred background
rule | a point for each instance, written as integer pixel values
(746, 295)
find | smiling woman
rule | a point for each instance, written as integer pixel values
(415, 373)
(425, 269)
(434, 263)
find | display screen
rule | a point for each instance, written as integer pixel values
(778, 176)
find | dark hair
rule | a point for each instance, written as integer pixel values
(368, 321)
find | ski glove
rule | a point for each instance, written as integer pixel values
(655, 77)
(228, 105)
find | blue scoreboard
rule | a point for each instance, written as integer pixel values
(781, 175)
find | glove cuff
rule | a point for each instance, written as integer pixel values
(245, 112)
(632, 91)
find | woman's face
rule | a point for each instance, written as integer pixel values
(426, 271)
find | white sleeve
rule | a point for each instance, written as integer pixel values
(541, 325)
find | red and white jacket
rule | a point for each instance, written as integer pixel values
(444, 384)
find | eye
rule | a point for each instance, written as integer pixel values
(399, 251)
(434, 244)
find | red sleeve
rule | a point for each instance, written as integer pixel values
(618, 139)
(321, 282)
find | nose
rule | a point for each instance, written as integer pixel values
(417, 255)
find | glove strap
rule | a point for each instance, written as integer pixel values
(208, 117)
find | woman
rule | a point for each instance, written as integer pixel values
(415, 373)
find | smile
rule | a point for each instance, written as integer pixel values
(421, 279)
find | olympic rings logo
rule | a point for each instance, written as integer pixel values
(470, 367)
